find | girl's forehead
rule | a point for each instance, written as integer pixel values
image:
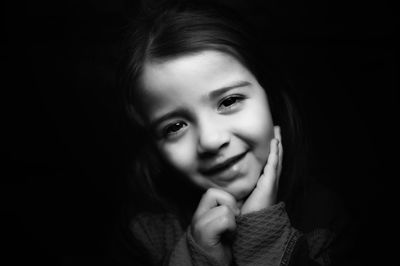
(203, 70)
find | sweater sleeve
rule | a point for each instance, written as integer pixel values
(163, 242)
(188, 252)
(266, 237)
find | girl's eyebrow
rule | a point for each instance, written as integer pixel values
(174, 113)
(186, 112)
(218, 92)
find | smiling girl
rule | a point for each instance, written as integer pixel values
(208, 111)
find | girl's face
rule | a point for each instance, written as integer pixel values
(211, 119)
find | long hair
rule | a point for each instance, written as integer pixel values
(183, 29)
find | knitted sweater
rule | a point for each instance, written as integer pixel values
(265, 237)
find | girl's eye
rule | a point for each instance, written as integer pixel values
(229, 102)
(174, 128)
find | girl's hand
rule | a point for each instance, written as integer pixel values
(214, 217)
(266, 190)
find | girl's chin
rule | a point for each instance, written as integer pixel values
(240, 192)
(241, 195)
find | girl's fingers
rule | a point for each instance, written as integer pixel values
(269, 176)
(214, 216)
(215, 222)
(277, 131)
(214, 198)
(209, 229)
(265, 192)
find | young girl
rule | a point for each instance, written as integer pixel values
(218, 153)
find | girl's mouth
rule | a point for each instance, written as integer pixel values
(225, 168)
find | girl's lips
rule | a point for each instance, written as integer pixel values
(220, 168)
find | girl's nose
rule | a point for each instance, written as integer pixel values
(212, 137)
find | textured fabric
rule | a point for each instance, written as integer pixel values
(320, 238)
(265, 237)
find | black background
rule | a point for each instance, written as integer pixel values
(64, 140)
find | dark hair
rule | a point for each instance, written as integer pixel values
(183, 29)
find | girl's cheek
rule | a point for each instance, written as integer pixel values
(257, 123)
(259, 130)
(179, 155)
